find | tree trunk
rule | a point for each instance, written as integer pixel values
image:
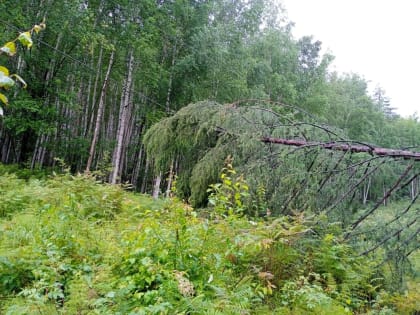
(168, 94)
(347, 147)
(366, 188)
(88, 127)
(414, 188)
(170, 177)
(156, 186)
(136, 171)
(384, 194)
(145, 174)
(124, 115)
(101, 107)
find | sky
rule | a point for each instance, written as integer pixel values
(377, 39)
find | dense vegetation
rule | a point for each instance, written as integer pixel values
(161, 97)
(74, 246)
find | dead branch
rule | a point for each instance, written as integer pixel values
(388, 193)
(387, 238)
(363, 148)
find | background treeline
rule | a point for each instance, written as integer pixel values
(105, 71)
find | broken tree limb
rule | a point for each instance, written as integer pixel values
(347, 147)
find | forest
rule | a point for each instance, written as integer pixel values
(194, 157)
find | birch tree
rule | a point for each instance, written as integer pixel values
(122, 120)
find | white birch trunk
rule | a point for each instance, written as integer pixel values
(170, 178)
(124, 113)
(101, 107)
(156, 186)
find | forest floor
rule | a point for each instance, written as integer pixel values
(72, 245)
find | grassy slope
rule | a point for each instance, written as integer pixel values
(70, 245)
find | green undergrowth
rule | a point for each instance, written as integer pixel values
(70, 245)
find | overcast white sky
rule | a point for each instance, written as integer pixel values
(378, 39)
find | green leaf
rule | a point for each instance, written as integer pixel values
(5, 81)
(25, 39)
(9, 48)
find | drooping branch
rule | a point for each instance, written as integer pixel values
(323, 181)
(355, 186)
(388, 237)
(388, 193)
(301, 188)
(347, 147)
(396, 218)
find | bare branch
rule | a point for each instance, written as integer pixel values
(389, 192)
(409, 155)
(366, 175)
(396, 218)
(386, 239)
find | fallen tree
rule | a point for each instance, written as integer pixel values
(347, 147)
(287, 150)
(296, 165)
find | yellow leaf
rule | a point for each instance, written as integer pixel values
(25, 39)
(4, 70)
(5, 81)
(4, 99)
(9, 48)
(328, 238)
(19, 78)
(37, 28)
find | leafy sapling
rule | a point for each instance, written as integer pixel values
(7, 80)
